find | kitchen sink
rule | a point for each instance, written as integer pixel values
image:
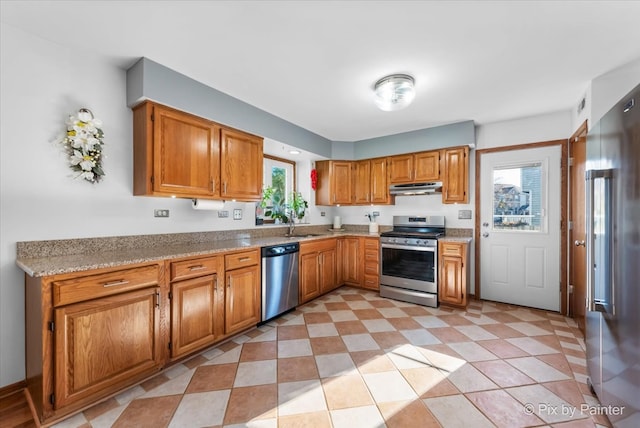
(302, 235)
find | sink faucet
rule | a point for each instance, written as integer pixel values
(292, 225)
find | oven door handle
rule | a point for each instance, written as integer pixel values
(409, 248)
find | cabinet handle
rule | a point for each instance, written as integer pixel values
(213, 185)
(114, 283)
(225, 187)
(157, 300)
(244, 259)
(197, 267)
(229, 282)
(215, 283)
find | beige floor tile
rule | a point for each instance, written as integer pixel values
(294, 348)
(531, 346)
(545, 404)
(456, 411)
(366, 416)
(372, 361)
(322, 330)
(471, 351)
(360, 342)
(306, 420)
(420, 337)
(263, 401)
(389, 339)
(256, 373)
(300, 397)
(424, 379)
(378, 325)
(536, 369)
(201, 409)
(469, 379)
(503, 410)
(475, 332)
(346, 391)
(403, 414)
(335, 365)
(389, 386)
(503, 374)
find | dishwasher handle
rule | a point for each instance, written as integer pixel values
(280, 250)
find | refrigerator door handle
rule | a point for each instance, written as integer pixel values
(600, 260)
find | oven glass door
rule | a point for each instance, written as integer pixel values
(412, 263)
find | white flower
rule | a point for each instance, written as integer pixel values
(87, 175)
(85, 161)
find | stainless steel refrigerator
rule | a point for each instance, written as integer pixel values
(613, 261)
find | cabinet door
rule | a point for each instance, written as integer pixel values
(456, 171)
(241, 165)
(342, 182)
(350, 260)
(193, 314)
(401, 169)
(242, 297)
(362, 182)
(328, 278)
(427, 166)
(379, 183)
(371, 278)
(105, 343)
(451, 284)
(186, 154)
(309, 273)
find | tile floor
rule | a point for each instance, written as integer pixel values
(353, 359)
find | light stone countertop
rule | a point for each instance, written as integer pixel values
(466, 239)
(53, 265)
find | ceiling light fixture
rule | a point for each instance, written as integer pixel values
(294, 152)
(394, 92)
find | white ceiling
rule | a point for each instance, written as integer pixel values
(313, 63)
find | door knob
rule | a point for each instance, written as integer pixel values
(579, 243)
(485, 234)
(485, 224)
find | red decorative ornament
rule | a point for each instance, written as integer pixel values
(314, 179)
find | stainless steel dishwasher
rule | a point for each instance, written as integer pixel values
(279, 279)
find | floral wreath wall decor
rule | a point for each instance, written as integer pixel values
(83, 145)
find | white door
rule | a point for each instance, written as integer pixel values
(520, 227)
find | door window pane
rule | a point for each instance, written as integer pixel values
(517, 197)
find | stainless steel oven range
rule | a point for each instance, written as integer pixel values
(409, 255)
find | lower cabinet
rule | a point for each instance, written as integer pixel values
(454, 273)
(318, 268)
(371, 279)
(91, 334)
(242, 291)
(350, 260)
(197, 304)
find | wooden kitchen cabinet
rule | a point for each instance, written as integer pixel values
(183, 155)
(91, 334)
(318, 268)
(335, 183)
(414, 167)
(242, 291)
(455, 183)
(349, 260)
(371, 277)
(454, 273)
(197, 304)
(370, 182)
(241, 165)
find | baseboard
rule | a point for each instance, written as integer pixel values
(13, 388)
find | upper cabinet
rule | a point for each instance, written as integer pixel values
(241, 165)
(414, 167)
(455, 182)
(179, 154)
(371, 185)
(335, 183)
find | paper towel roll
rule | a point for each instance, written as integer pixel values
(337, 223)
(207, 204)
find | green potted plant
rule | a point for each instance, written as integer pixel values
(276, 207)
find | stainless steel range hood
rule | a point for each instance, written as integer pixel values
(416, 188)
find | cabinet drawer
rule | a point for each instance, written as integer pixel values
(371, 269)
(371, 282)
(239, 260)
(193, 268)
(371, 256)
(89, 287)
(373, 244)
(451, 249)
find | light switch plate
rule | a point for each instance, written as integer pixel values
(237, 214)
(161, 213)
(223, 214)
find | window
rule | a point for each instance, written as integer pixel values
(517, 197)
(280, 174)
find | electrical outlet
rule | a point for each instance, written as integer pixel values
(376, 214)
(322, 213)
(161, 213)
(570, 289)
(237, 214)
(464, 214)
(223, 214)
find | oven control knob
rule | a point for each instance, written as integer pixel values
(406, 241)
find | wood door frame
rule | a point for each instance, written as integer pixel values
(564, 169)
(581, 132)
